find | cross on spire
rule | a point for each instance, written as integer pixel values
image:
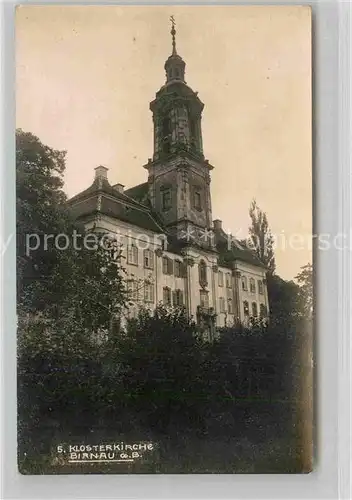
(173, 34)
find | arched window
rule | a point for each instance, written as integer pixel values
(244, 283)
(246, 308)
(254, 309)
(202, 271)
(263, 311)
(252, 285)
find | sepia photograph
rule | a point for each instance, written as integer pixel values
(164, 239)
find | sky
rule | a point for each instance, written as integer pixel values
(86, 76)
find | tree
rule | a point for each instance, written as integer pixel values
(285, 301)
(261, 239)
(68, 299)
(81, 281)
(40, 206)
(305, 282)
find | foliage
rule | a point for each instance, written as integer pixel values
(305, 283)
(157, 379)
(40, 205)
(83, 282)
(261, 238)
(67, 299)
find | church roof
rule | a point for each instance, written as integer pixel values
(103, 198)
(231, 249)
(139, 193)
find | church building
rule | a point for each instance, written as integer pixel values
(174, 252)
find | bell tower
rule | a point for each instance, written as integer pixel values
(179, 175)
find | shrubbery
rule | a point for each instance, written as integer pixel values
(157, 380)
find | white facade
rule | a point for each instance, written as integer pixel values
(154, 275)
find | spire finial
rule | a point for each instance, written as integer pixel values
(173, 33)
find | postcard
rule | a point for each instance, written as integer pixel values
(164, 239)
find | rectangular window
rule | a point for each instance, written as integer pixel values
(148, 259)
(166, 199)
(178, 269)
(204, 299)
(228, 280)
(260, 287)
(197, 200)
(221, 278)
(178, 298)
(168, 265)
(132, 255)
(222, 305)
(149, 292)
(252, 285)
(166, 296)
(132, 290)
